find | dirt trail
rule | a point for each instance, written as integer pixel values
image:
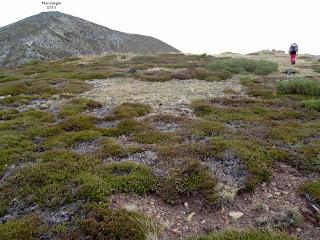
(170, 96)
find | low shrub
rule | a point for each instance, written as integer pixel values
(125, 127)
(150, 137)
(190, 177)
(316, 68)
(128, 177)
(13, 88)
(24, 228)
(79, 105)
(190, 73)
(246, 235)
(312, 189)
(291, 218)
(111, 148)
(71, 139)
(117, 224)
(131, 110)
(78, 123)
(243, 66)
(312, 104)
(299, 86)
(14, 148)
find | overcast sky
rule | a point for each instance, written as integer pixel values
(196, 26)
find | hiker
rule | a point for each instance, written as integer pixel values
(293, 50)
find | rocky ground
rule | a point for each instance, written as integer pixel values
(277, 203)
(269, 205)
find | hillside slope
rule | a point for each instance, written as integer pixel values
(55, 35)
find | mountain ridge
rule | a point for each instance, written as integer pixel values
(56, 35)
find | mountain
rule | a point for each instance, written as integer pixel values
(55, 35)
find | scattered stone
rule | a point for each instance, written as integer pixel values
(131, 70)
(186, 205)
(62, 214)
(166, 127)
(289, 71)
(269, 195)
(176, 231)
(231, 170)
(107, 124)
(235, 215)
(86, 147)
(147, 157)
(131, 207)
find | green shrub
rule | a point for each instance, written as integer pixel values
(246, 235)
(190, 73)
(79, 105)
(111, 148)
(117, 224)
(79, 123)
(189, 178)
(243, 66)
(50, 182)
(125, 127)
(313, 189)
(312, 104)
(8, 114)
(131, 110)
(14, 148)
(27, 120)
(150, 137)
(299, 86)
(62, 177)
(71, 139)
(24, 228)
(202, 108)
(316, 68)
(92, 187)
(128, 177)
(13, 88)
(281, 220)
(207, 128)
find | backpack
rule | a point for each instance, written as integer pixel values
(293, 48)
